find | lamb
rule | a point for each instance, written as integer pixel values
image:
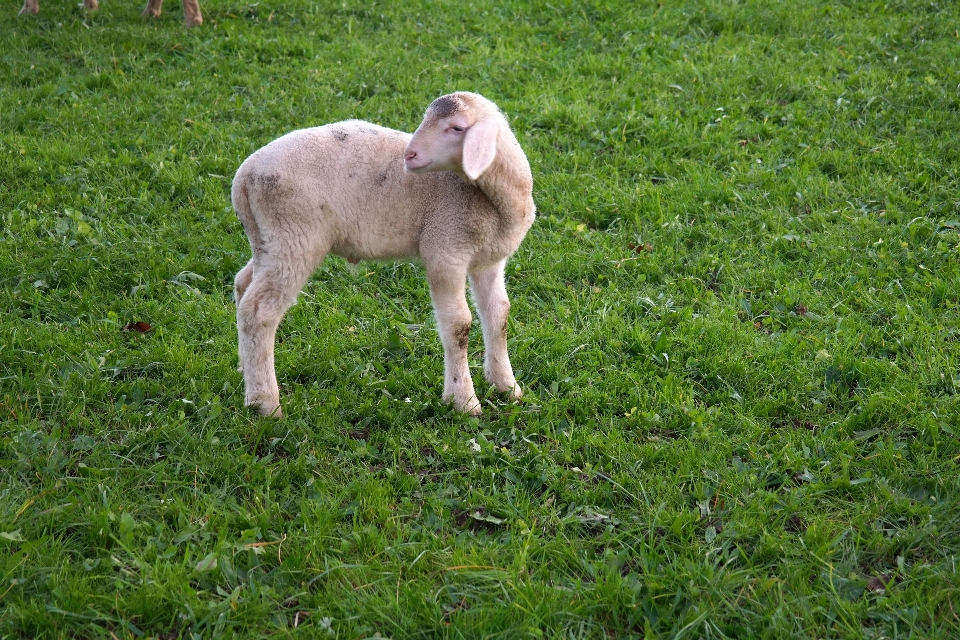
(456, 194)
(191, 9)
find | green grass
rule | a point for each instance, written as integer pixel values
(736, 320)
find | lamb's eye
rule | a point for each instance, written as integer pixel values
(457, 129)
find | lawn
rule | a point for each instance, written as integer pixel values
(736, 320)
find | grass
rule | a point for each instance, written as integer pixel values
(736, 320)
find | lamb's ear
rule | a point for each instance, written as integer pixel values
(480, 147)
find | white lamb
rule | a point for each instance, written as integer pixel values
(191, 9)
(457, 194)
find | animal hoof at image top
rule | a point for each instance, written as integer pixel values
(192, 15)
(456, 195)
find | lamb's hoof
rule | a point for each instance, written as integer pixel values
(267, 412)
(470, 406)
(511, 390)
(267, 409)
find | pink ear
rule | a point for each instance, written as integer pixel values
(479, 147)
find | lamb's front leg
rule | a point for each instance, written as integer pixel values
(493, 307)
(448, 292)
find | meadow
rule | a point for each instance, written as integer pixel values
(736, 320)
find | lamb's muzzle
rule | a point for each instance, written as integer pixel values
(457, 194)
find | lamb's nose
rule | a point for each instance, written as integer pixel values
(410, 155)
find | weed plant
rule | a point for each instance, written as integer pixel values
(736, 321)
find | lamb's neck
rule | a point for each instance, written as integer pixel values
(508, 183)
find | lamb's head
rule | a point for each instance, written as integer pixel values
(458, 133)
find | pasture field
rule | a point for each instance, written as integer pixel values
(736, 319)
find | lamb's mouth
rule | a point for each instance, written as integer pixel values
(412, 169)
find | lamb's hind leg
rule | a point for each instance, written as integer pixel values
(153, 9)
(240, 284)
(272, 290)
(493, 307)
(30, 7)
(191, 13)
(242, 281)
